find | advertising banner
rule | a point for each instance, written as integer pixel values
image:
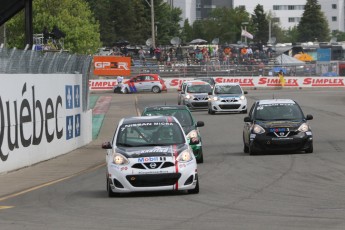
(112, 66)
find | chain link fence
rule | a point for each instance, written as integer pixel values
(14, 61)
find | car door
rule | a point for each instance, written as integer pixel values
(149, 82)
(138, 83)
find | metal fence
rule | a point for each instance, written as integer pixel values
(14, 61)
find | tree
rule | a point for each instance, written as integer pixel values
(313, 24)
(260, 24)
(73, 17)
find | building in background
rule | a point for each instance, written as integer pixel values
(289, 14)
(188, 8)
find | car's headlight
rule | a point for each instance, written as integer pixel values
(119, 159)
(188, 96)
(242, 97)
(258, 129)
(192, 134)
(215, 98)
(304, 127)
(185, 156)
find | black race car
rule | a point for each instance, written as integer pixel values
(277, 125)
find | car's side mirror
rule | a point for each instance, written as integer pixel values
(200, 124)
(182, 92)
(309, 117)
(245, 92)
(106, 145)
(247, 119)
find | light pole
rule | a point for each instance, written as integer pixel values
(245, 28)
(152, 23)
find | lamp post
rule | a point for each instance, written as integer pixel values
(152, 23)
(245, 28)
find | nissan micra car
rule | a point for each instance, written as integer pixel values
(227, 97)
(194, 94)
(277, 125)
(189, 124)
(150, 153)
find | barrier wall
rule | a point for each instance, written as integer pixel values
(41, 117)
(253, 82)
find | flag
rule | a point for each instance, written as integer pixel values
(246, 34)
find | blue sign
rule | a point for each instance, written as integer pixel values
(324, 54)
(69, 127)
(76, 96)
(77, 125)
(69, 97)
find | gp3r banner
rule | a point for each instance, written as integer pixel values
(112, 66)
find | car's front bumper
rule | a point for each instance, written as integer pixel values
(228, 105)
(138, 176)
(299, 142)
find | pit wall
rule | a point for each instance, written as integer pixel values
(41, 118)
(251, 82)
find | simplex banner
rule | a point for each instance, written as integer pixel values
(253, 82)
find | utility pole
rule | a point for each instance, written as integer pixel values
(153, 29)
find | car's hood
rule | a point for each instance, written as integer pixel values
(151, 151)
(279, 124)
(228, 95)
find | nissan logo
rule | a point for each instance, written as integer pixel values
(153, 165)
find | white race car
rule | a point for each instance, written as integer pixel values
(150, 154)
(227, 97)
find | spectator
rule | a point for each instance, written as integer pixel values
(157, 53)
(46, 35)
(57, 33)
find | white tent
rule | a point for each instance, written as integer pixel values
(284, 59)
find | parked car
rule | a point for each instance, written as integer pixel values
(277, 125)
(189, 124)
(149, 153)
(194, 94)
(227, 97)
(143, 82)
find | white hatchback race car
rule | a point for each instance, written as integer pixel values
(150, 153)
(227, 97)
(194, 94)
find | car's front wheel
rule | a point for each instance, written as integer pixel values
(210, 111)
(201, 157)
(196, 189)
(245, 147)
(309, 150)
(110, 192)
(156, 89)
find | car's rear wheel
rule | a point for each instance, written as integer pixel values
(156, 89)
(196, 189)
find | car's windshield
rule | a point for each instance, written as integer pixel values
(199, 88)
(182, 115)
(150, 134)
(228, 89)
(278, 112)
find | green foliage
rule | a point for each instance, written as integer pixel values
(313, 24)
(260, 24)
(73, 17)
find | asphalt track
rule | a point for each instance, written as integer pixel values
(237, 191)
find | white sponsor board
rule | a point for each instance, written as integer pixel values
(41, 117)
(254, 82)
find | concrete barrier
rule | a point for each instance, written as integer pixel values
(41, 117)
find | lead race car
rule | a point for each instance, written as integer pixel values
(150, 153)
